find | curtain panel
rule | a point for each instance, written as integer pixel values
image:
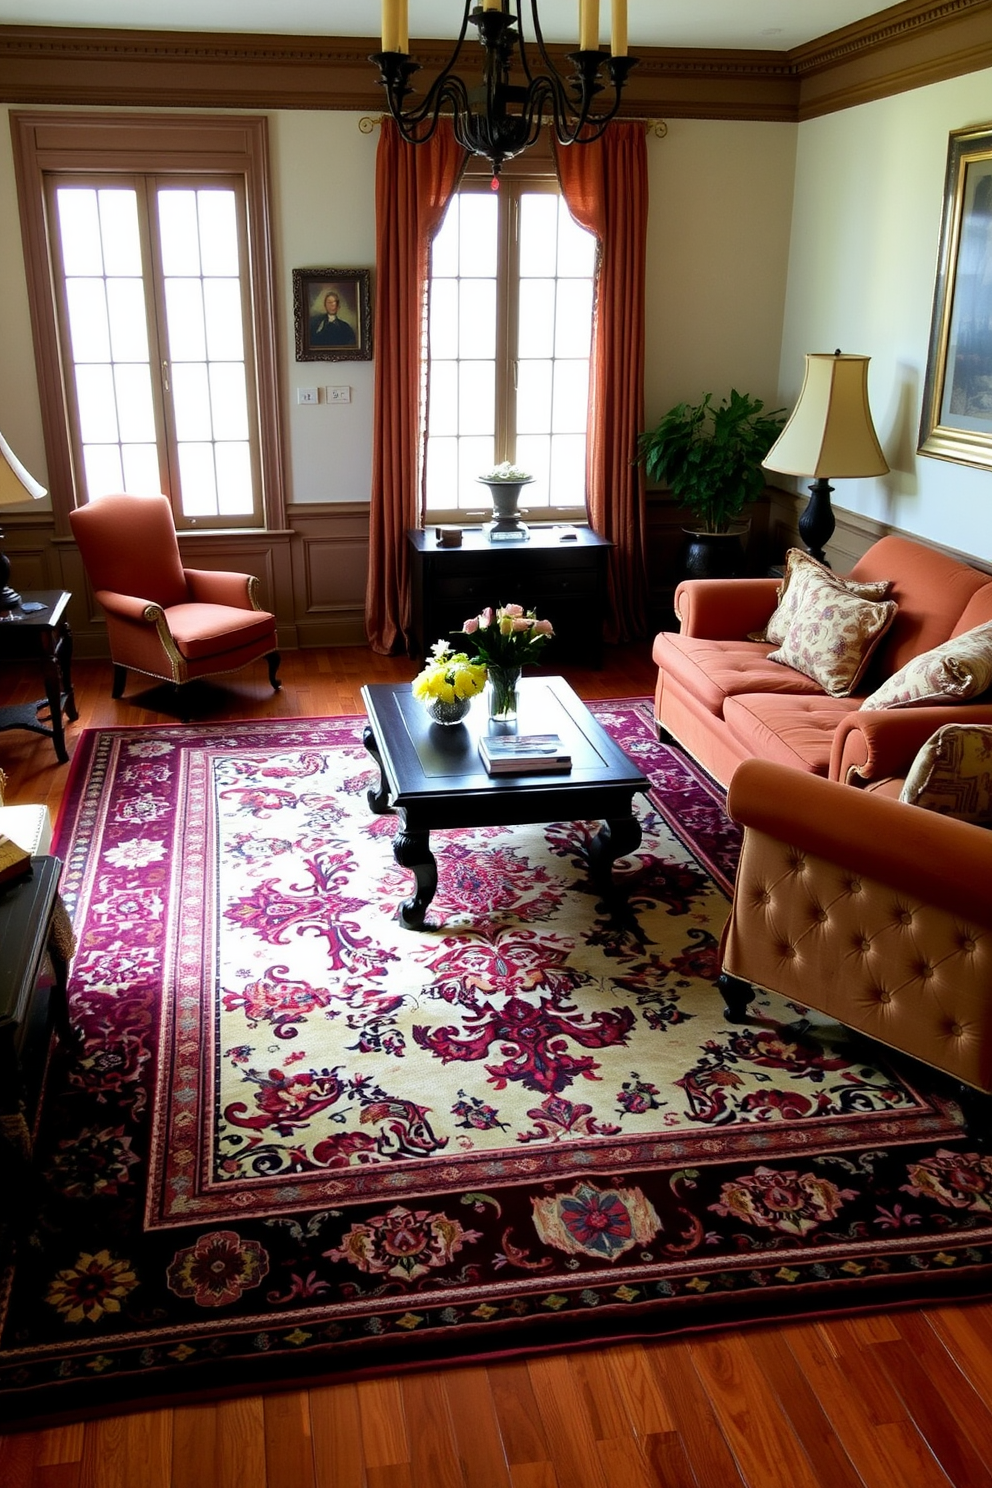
(413, 186)
(605, 185)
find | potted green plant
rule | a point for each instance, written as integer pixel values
(710, 457)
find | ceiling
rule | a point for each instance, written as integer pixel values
(765, 25)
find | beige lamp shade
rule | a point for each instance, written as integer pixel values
(16, 485)
(830, 432)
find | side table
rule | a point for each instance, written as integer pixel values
(43, 636)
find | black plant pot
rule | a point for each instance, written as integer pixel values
(714, 555)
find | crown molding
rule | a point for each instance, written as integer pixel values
(897, 49)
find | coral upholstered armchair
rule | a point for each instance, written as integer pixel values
(162, 619)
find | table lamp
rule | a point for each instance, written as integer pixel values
(16, 487)
(830, 433)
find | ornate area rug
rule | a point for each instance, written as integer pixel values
(298, 1138)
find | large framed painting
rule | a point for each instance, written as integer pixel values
(333, 313)
(957, 395)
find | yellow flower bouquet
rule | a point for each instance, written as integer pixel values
(448, 682)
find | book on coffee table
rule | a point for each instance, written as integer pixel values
(520, 754)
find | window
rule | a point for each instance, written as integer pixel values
(511, 297)
(149, 267)
(151, 281)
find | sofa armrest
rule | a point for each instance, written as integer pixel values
(725, 609)
(934, 858)
(881, 743)
(207, 586)
(129, 606)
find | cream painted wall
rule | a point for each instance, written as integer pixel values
(20, 408)
(863, 255)
(718, 251)
(323, 186)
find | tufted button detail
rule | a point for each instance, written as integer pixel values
(854, 886)
(788, 952)
(905, 918)
(955, 1030)
(968, 946)
(885, 998)
(926, 971)
(864, 945)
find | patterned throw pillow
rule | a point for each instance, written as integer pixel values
(799, 563)
(952, 773)
(952, 672)
(833, 633)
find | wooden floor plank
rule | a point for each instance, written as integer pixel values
(225, 1440)
(692, 1411)
(336, 1423)
(637, 1385)
(566, 1426)
(520, 1425)
(385, 1442)
(120, 1451)
(954, 1424)
(476, 1428)
(434, 1456)
(289, 1461)
(777, 1369)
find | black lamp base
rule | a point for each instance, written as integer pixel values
(9, 598)
(816, 524)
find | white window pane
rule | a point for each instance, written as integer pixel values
(477, 398)
(536, 334)
(444, 250)
(97, 404)
(477, 234)
(179, 232)
(444, 318)
(229, 400)
(89, 327)
(576, 246)
(134, 402)
(568, 470)
(119, 230)
(191, 400)
(197, 479)
(234, 492)
(442, 472)
(477, 317)
(184, 317)
(222, 311)
(570, 405)
(538, 233)
(218, 232)
(534, 455)
(534, 397)
(102, 463)
(128, 325)
(142, 476)
(79, 230)
(475, 457)
(573, 318)
(442, 409)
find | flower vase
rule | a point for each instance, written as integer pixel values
(440, 711)
(501, 685)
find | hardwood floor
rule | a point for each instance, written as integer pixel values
(872, 1401)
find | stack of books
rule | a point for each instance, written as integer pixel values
(523, 754)
(15, 861)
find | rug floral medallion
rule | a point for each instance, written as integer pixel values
(297, 1137)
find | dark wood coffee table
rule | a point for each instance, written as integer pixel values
(431, 777)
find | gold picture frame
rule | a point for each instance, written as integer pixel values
(956, 422)
(332, 309)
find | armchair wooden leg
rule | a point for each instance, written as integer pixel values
(273, 660)
(736, 995)
(120, 677)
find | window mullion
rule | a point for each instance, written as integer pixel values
(158, 346)
(507, 299)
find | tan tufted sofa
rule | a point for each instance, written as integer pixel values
(873, 912)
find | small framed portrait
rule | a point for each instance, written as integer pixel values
(333, 313)
(957, 397)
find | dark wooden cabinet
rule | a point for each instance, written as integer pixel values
(562, 578)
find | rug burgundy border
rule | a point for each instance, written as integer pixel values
(867, 1194)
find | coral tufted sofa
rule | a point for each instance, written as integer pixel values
(876, 913)
(723, 700)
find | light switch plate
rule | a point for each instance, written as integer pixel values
(337, 395)
(306, 395)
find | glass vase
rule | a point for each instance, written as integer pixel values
(440, 711)
(501, 685)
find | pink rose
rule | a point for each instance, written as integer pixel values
(521, 622)
(486, 618)
(513, 610)
(470, 626)
(543, 627)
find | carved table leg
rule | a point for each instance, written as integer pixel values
(378, 799)
(615, 839)
(412, 850)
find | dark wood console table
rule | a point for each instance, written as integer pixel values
(562, 577)
(43, 636)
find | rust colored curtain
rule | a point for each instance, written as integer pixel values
(413, 185)
(605, 185)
